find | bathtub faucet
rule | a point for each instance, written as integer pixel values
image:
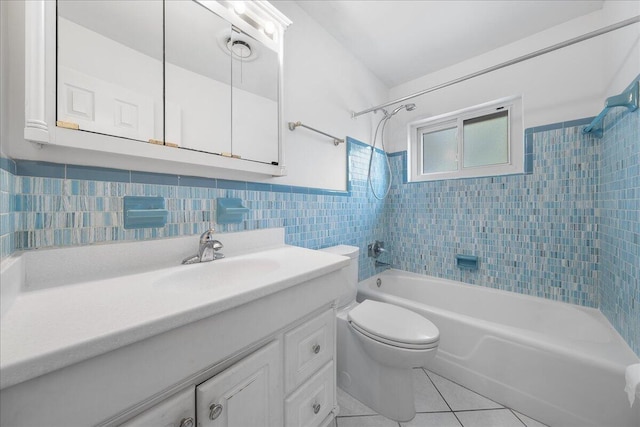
(379, 264)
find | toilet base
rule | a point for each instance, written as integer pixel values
(385, 389)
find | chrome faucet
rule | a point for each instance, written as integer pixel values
(207, 249)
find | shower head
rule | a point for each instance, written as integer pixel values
(408, 107)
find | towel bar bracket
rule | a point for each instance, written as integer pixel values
(627, 99)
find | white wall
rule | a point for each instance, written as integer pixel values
(4, 75)
(323, 84)
(621, 58)
(570, 83)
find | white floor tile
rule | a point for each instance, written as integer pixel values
(491, 418)
(351, 406)
(460, 398)
(366, 421)
(436, 419)
(427, 398)
(529, 422)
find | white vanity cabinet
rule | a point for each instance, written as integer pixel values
(258, 345)
(290, 381)
(246, 394)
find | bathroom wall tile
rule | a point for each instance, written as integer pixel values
(40, 169)
(618, 221)
(154, 178)
(194, 181)
(92, 173)
(534, 234)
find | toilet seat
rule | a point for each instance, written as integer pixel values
(394, 325)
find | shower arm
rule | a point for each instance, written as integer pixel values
(514, 61)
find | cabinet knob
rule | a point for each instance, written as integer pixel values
(316, 348)
(187, 422)
(215, 411)
(316, 408)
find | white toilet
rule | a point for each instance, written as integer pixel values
(378, 346)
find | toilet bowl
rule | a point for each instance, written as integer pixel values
(378, 345)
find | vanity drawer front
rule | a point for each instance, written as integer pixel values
(310, 404)
(307, 348)
(178, 410)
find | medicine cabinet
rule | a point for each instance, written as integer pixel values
(193, 82)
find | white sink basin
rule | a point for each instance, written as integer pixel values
(217, 274)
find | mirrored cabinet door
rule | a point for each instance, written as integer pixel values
(254, 105)
(109, 67)
(198, 78)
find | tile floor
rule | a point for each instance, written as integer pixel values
(439, 403)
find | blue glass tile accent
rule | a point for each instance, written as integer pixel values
(226, 184)
(549, 127)
(194, 181)
(8, 165)
(153, 178)
(300, 190)
(277, 188)
(91, 173)
(39, 169)
(579, 122)
(528, 164)
(258, 186)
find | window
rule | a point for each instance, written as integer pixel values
(484, 140)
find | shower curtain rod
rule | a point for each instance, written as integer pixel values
(531, 55)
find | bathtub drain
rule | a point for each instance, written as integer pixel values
(379, 282)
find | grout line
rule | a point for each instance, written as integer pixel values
(467, 388)
(516, 415)
(445, 400)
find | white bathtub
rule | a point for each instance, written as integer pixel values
(559, 363)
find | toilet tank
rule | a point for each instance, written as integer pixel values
(349, 273)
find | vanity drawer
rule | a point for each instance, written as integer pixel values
(311, 403)
(307, 348)
(178, 410)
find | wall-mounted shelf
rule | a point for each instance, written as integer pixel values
(144, 212)
(230, 210)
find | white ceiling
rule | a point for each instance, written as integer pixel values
(401, 40)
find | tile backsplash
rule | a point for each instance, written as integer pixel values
(567, 230)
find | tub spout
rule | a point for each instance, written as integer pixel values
(379, 264)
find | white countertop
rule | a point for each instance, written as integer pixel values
(48, 329)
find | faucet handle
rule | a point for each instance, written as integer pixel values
(207, 236)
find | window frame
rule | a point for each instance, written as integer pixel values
(515, 144)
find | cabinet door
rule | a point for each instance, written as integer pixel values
(176, 411)
(247, 394)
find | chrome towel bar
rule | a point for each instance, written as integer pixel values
(336, 140)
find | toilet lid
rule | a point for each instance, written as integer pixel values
(393, 324)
